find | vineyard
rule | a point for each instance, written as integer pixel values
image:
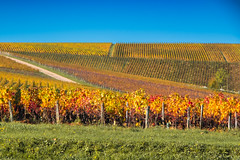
(19, 80)
(120, 80)
(180, 51)
(60, 48)
(19, 76)
(192, 72)
(42, 104)
(175, 51)
(38, 101)
(7, 64)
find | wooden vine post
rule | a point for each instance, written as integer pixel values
(163, 113)
(127, 115)
(57, 112)
(188, 117)
(236, 122)
(229, 120)
(129, 118)
(201, 117)
(147, 117)
(25, 111)
(102, 114)
(10, 111)
(156, 118)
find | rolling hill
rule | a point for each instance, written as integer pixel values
(186, 63)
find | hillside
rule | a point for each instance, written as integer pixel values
(99, 49)
(195, 64)
(180, 51)
(16, 75)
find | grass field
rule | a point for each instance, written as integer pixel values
(46, 141)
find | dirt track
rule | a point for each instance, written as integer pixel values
(51, 74)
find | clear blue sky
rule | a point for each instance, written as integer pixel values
(207, 21)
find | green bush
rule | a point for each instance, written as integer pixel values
(220, 80)
(213, 84)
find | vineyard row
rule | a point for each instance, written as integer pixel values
(86, 106)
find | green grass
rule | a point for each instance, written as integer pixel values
(42, 141)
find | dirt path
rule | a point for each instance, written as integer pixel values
(44, 71)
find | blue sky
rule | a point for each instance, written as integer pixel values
(204, 21)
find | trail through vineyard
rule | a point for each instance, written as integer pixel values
(44, 71)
